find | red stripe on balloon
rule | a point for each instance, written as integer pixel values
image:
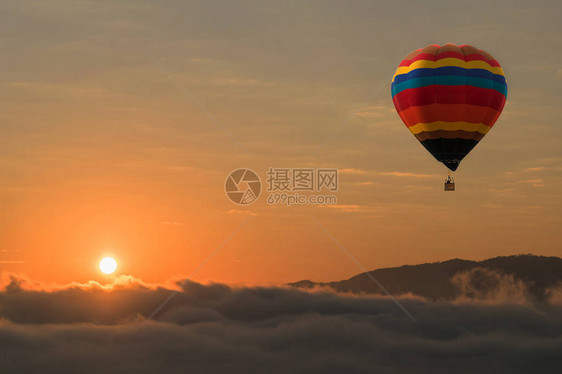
(449, 113)
(438, 94)
(449, 54)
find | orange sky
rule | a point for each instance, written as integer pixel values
(102, 154)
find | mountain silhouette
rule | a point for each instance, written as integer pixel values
(534, 276)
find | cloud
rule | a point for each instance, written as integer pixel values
(533, 182)
(170, 223)
(242, 211)
(491, 286)
(216, 328)
(344, 208)
(404, 174)
(375, 111)
(353, 171)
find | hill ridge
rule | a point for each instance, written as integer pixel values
(534, 275)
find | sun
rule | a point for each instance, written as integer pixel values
(108, 265)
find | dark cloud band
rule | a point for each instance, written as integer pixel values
(217, 329)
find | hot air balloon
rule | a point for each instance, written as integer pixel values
(449, 97)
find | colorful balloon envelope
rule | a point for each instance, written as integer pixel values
(449, 97)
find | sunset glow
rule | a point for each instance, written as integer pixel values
(234, 186)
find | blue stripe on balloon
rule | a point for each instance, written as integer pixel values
(449, 70)
(448, 80)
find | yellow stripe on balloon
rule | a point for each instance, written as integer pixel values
(426, 64)
(449, 126)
